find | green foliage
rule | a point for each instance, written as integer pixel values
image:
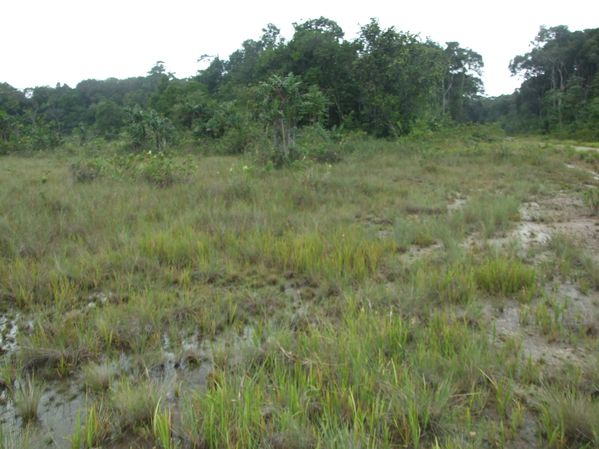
(354, 305)
(161, 170)
(559, 93)
(569, 419)
(505, 276)
(87, 170)
(109, 119)
(284, 107)
(135, 403)
(162, 427)
(158, 168)
(149, 131)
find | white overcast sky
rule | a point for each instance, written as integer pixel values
(43, 42)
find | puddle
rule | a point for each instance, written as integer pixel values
(62, 401)
(8, 334)
(190, 367)
(57, 414)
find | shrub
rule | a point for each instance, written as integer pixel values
(87, 170)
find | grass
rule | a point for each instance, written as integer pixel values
(343, 305)
(98, 377)
(26, 398)
(500, 275)
(134, 403)
(96, 428)
(162, 427)
(569, 419)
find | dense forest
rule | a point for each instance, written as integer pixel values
(385, 83)
(560, 92)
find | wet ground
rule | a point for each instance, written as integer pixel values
(64, 401)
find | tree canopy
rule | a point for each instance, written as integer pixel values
(384, 82)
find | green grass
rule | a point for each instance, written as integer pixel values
(337, 306)
(570, 419)
(26, 397)
(98, 377)
(134, 402)
(505, 276)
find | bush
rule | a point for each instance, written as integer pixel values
(87, 170)
(157, 168)
(161, 170)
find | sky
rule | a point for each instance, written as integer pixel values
(45, 42)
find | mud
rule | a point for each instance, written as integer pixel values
(8, 333)
(541, 220)
(508, 325)
(457, 204)
(63, 401)
(593, 174)
(562, 214)
(57, 414)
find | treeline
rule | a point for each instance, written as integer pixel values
(385, 83)
(560, 91)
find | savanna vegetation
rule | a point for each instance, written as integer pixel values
(304, 246)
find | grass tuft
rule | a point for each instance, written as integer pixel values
(26, 398)
(505, 276)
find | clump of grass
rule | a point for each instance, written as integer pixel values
(176, 247)
(569, 419)
(77, 433)
(26, 398)
(87, 170)
(98, 377)
(573, 261)
(191, 423)
(162, 427)
(134, 403)
(591, 200)
(549, 315)
(238, 190)
(96, 428)
(13, 439)
(448, 285)
(6, 240)
(408, 233)
(292, 437)
(505, 276)
(491, 214)
(338, 254)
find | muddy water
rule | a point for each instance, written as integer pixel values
(60, 403)
(63, 402)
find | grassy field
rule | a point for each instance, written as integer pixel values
(441, 293)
